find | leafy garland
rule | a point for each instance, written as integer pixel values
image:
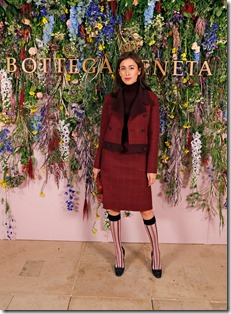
(58, 112)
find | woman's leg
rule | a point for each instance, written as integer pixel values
(115, 226)
(151, 228)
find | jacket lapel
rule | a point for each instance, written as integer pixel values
(118, 103)
(141, 100)
(138, 106)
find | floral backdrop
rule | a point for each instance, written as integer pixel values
(56, 110)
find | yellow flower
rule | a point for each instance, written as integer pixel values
(185, 80)
(102, 8)
(94, 230)
(33, 110)
(44, 20)
(42, 194)
(3, 184)
(186, 126)
(183, 55)
(174, 50)
(185, 105)
(171, 116)
(152, 42)
(60, 142)
(31, 92)
(174, 90)
(186, 151)
(68, 77)
(66, 10)
(168, 144)
(101, 47)
(34, 132)
(61, 107)
(99, 26)
(164, 158)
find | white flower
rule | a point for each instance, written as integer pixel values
(65, 139)
(196, 153)
(6, 90)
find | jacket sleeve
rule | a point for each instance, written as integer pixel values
(153, 135)
(105, 118)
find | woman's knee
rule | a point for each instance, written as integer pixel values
(147, 214)
(113, 212)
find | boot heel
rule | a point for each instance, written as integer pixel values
(119, 270)
(156, 272)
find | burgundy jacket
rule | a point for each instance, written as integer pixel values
(143, 127)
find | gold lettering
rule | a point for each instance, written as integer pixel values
(163, 71)
(176, 67)
(191, 66)
(59, 61)
(24, 65)
(146, 66)
(73, 65)
(106, 67)
(205, 67)
(89, 66)
(45, 63)
(92, 67)
(10, 64)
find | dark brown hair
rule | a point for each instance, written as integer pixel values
(142, 77)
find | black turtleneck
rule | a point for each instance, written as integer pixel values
(129, 95)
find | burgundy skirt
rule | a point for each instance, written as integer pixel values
(124, 181)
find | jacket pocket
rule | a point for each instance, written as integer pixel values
(139, 136)
(113, 135)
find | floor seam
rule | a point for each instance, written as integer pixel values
(77, 268)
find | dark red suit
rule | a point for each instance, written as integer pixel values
(122, 171)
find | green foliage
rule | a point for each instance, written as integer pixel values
(56, 107)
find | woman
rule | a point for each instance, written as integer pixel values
(127, 155)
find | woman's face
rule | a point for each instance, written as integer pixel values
(129, 71)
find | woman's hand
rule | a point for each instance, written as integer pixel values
(95, 172)
(151, 178)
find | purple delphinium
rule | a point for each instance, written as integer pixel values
(5, 144)
(70, 201)
(209, 42)
(95, 15)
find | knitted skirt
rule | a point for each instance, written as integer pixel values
(124, 181)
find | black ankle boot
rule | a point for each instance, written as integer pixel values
(119, 270)
(156, 272)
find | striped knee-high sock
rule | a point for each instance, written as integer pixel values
(152, 232)
(115, 226)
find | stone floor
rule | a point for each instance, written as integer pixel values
(57, 275)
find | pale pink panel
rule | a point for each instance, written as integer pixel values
(46, 218)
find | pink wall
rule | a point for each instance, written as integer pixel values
(46, 218)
